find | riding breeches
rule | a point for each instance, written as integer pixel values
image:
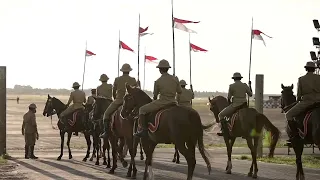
(153, 106)
(69, 110)
(227, 111)
(297, 109)
(112, 108)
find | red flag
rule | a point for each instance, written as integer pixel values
(142, 30)
(177, 20)
(196, 48)
(150, 58)
(256, 34)
(124, 46)
(89, 53)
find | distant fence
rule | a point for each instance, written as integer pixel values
(270, 104)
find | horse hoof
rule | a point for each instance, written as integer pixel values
(255, 176)
(90, 159)
(109, 166)
(173, 160)
(59, 158)
(249, 174)
(97, 163)
(125, 164)
(133, 177)
(228, 172)
(128, 175)
(141, 158)
(178, 162)
(104, 163)
(111, 171)
(70, 157)
(84, 159)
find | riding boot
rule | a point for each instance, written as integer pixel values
(220, 133)
(26, 152)
(32, 156)
(105, 129)
(65, 122)
(144, 124)
(294, 130)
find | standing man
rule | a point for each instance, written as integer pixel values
(30, 131)
(185, 98)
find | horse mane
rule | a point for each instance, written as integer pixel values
(143, 97)
(220, 102)
(60, 103)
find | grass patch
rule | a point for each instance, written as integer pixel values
(4, 159)
(308, 160)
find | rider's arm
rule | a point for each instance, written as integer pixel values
(299, 89)
(155, 91)
(70, 99)
(229, 94)
(248, 90)
(84, 98)
(191, 89)
(178, 89)
(114, 89)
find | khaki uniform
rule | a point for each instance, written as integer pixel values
(119, 90)
(167, 86)
(29, 126)
(78, 98)
(237, 91)
(90, 100)
(185, 98)
(105, 90)
(308, 92)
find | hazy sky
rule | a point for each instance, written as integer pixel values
(42, 42)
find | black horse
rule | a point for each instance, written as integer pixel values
(54, 105)
(310, 134)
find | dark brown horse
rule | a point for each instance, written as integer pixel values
(307, 126)
(252, 122)
(54, 105)
(177, 124)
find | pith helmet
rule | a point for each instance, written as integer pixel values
(104, 78)
(236, 75)
(93, 90)
(75, 84)
(126, 68)
(33, 106)
(163, 64)
(310, 64)
(183, 82)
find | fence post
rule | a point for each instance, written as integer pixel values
(3, 109)
(259, 107)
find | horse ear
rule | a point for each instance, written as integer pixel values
(209, 99)
(291, 86)
(49, 96)
(282, 86)
(128, 87)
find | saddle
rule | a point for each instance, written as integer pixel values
(73, 119)
(313, 106)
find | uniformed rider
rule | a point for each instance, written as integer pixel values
(78, 98)
(167, 86)
(308, 93)
(185, 98)
(30, 131)
(119, 90)
(105, 89)
(237, 92)
(90, 99)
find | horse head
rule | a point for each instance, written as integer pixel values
(100, 106)
(133, 100)
(52, 106)
(217, 104)
(287, 97)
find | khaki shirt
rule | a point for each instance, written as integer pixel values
(90, 100)
(185, 97)
(29, 124)
(105, 90)
(78, 98)
(167, 86)
(119, 85)
(309, 87)
(238, 91)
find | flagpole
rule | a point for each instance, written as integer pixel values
(250, 56)
(144, 69)
(119, 54)
(190, 59)
(173, 44)
(84, 66)
(139, 50)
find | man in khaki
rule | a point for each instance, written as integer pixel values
(90, 99)
(119, 90)
(237, 91)
(308, 93)
(30, 131)
(185, 98)
(167, 86)
(78, 98)
(105, 89)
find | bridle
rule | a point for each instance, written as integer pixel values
(134, 113)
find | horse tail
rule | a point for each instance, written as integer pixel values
(201, 147)
(275, 133)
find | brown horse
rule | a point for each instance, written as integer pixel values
(177, 124)
(242, 124)
(307, 130)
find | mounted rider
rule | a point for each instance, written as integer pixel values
(90, 99)
(237, 92)
(105, 89)
(308, 93)
(185, 98)
(119, 90)
(167, 86)
(78, 98)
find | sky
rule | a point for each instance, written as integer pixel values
(42, 42)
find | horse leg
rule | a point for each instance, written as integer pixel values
(175, 154)
(121, 153)
(188, 155)
(114, 142)
(108, 151)
(61, 146)
(88, 140)
(253, 155)
(68, 144)
(94, 148)
(192, 148)
(297, 145)
(136, 141)
(148, 148)
(97, 150)
(104, 153)
(129, 143)
(229, 144)
(178, 156)
(141, 152)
